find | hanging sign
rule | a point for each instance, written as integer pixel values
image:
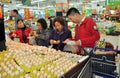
(6, 1)
(46, 13)
(26, 2)
(65, 7)
(31, 14)
(59, 7)
(1, 12)
(83, 9)
(26, 13)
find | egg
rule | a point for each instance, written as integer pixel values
(9, 72)
(9, 65)
(45, 75)
(40, 62)
(21, 63)
(21, 70)
(0, 68)
(8, 62)
(38, 74)
(2, 64)
(49, 76)
(4, 74)
(27, 76)
(18, 68)
(42, 72)
(52, 70)
(21, 77)
(12, 74)
(17, 72)
(34, 72)
(5, 67)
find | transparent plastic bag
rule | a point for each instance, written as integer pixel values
(71, 47)
(32, 40)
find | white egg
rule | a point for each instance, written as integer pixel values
(34, 72)
(0, 76)
(17, 73)
(38, 74)
(9, 72)
(21, 77)
(4, 74)
(2, 64)
(21, 70)
(0, 68)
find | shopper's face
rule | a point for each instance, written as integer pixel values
(39, 26)
(73, 18)
(20, 24)
(58, 26)
(12, 13)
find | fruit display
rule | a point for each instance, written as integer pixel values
(117, 25)
(26, 61)
(117, 28)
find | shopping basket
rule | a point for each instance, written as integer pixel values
(99, 67)
(103, 67)
(104, 64)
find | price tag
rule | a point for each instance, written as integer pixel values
(100, 44)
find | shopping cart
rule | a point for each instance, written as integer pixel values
(86, 72)
(103, 68)
(96, 67)
(102, 65)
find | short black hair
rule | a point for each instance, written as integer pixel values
(15, 11)
(43, 23)
(20, 20)
(59, 19)
(72, 11)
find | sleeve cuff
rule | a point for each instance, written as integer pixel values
(80, 42)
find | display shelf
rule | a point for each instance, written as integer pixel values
(23, 60)
(73, 72)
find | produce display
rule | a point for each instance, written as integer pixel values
(117, 26)
(26, 61)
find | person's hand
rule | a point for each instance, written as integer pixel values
(52, 41)
(65, 42)
(58, 41)
(78, 42)
(36, 35)
(14, 35)
(31, 33)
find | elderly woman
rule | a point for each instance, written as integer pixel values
(43, 33)
(59, 34)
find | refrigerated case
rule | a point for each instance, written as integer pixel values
(2, 30)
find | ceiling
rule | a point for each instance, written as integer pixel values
(42, 4)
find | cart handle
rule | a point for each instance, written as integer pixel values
(108, 49)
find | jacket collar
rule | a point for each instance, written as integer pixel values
(42, 31)
(63, 30)
(83, 19)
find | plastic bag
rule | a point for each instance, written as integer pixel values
(32, 40)
(71, 47)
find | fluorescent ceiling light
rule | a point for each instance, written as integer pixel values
(35, 1)
(18, 4)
